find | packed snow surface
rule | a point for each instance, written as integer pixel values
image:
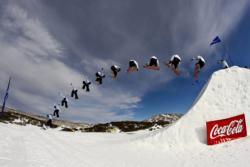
(226, 94)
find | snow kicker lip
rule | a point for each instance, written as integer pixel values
(226, 94)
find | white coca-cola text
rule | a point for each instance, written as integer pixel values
(233, 127)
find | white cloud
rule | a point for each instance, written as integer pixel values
(201, 21)
(31, 35)
(32, 56)
(35, 58)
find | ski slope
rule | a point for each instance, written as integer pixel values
(226, 94)
(183, 144)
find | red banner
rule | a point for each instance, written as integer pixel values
(224, 130)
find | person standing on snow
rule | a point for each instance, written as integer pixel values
(224, 64)
(49, 120)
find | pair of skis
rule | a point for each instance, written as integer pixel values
(177, 72)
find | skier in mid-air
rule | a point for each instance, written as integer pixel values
(74, 92)
(64, 101)
(85, 85)
(133, 66)
(153, 64)
(174, 63)
(99, 77)
(56, 111)
(200, 63)
(115, 69)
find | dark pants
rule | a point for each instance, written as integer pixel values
(86, 85)
(115, 74)
(115, 71)
(200, 63)
(175, 62)
(56, 113)
(65, 103)
(132, 64)
(74, 94)
(49, 123)
(99, 80)
(153, 62)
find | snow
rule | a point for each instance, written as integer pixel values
(182, 144)
(226, 94)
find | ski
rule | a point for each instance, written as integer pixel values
(175, 71)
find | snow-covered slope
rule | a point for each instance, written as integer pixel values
(226, 94)
(171, 118)
(182, 144)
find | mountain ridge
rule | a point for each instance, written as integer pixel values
(24, 118)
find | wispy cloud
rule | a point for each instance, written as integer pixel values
(32, 56)
(46, 45)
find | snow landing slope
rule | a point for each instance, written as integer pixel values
(181, 145)
(226, 94)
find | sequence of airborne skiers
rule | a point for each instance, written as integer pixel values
(153, 64)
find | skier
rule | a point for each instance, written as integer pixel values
(115, 69)
(153, 64)
(224, 64)
(133, 66)
(49, 120)
(99, 77)
(86, 85)
(200, 63)
(74, 92)
(64, 102)
(174, 63)
(56, 111)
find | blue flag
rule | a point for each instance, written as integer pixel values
(6, 96)
(215, 40)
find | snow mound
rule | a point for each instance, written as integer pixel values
(226, 94)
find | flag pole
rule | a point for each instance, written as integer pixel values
(227, 53)
(6, 95)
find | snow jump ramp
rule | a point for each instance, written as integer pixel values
(226, 94)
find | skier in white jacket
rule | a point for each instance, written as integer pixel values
(56, 111)
(200, 63)
(224, 64)
(49, 121)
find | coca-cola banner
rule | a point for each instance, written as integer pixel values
(226, 129)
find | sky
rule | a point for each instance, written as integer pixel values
(46, 45)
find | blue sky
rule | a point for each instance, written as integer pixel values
(46, 45)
